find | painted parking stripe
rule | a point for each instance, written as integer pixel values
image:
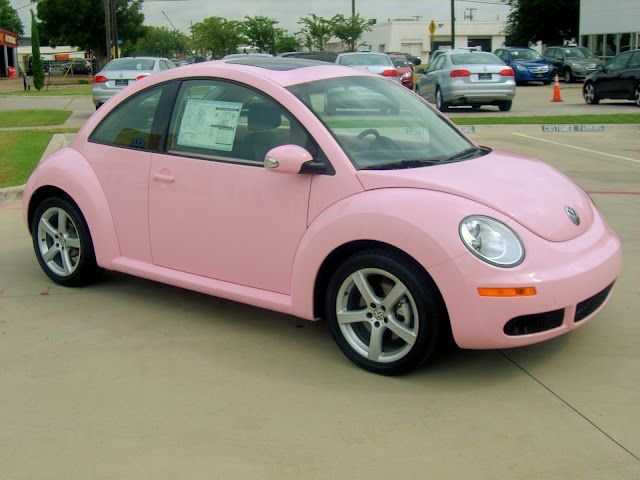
(620, 157)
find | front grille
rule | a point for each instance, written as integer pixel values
(539, 69)
(534, 323)
(591, 304)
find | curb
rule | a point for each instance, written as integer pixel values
(11, 194)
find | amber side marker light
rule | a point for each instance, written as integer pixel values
(507, 292)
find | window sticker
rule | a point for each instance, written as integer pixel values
(209, 124)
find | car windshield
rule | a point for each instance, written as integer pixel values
(475, 58)
(575, 53)
(525, 55)
(400, 62)
(357, 59)
(586, 52)
(130, 64)
(382, 125)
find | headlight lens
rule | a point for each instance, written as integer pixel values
(521, 68)
(491, 241)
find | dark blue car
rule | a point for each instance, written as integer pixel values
(527, 63)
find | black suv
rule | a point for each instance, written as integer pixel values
(619, 79)
(573, 63)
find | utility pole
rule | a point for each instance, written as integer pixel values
(107, 26)
(353, 9)
(114, 29)
(453, 24)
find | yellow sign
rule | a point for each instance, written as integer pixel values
(432, 27)
(10, 39)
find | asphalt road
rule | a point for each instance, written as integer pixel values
(131, 379)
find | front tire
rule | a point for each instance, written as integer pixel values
(589, 94)
(568, 75)
(62, 243)
(383, 313)
(636, 95)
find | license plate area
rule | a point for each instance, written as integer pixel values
(121, 83)
(484, 76)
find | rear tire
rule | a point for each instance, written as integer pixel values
(385, 316)
(440, 103)
(505, 106)
(63, 244)
(636, 95)
(589, 94)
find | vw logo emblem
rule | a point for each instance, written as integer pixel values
(572, 214)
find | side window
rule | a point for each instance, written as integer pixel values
(439, 63)
(130, 124)
(620, 62)
(215, 119)
(635, 60)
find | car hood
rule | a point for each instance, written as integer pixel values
(585, 62)
(530, 192)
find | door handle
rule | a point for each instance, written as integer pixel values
(160, 177)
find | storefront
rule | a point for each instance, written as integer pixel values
(609, 28)
(8, 52)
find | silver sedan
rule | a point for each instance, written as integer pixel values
(379, 63)
(119, 72)
(460, 77)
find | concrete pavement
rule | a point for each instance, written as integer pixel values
(131, 379)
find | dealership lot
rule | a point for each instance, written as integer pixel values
(130, 379)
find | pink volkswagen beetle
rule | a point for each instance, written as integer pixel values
(323, 191)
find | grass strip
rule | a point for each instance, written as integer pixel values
(616, 118)
(20, 152)
(32, 118)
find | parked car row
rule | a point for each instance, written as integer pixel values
(618, 79)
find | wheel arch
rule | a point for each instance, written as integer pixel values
(341, 253)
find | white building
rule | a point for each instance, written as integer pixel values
(412, 36)
(608, 28)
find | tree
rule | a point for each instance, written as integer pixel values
(9, 18)
(36, 65)
(80, 23)
(217, 36)
(159, 42)
(548, 21)
(316, 31)
(286, 42)
(350, 29)
(261, 32)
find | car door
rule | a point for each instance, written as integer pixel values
(611, 83)
(119, 150)
(429, 80)
(214, 210)
(631, 75)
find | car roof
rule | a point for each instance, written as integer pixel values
(517, 48)
(281, 64)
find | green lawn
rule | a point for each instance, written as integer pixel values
(30, 118)
(19, 154)
(559, 119)
(52, 91)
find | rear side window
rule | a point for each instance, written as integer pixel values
(130, 124)
(476, 58)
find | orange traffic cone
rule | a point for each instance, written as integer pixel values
(556, 90)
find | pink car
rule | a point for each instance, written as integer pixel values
(230, 178)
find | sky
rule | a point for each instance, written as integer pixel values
(183, 12)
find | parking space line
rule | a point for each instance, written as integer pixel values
(620, 157)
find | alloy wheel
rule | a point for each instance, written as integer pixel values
(377, 315)
(589, 93)
(59, 241)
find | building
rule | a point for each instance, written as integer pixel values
(608, 28)
(8, 51)
(412, 36)
(48, 54)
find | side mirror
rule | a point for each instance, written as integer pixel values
(286, 159)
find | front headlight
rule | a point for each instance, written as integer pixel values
(521, 68)
(491, 241)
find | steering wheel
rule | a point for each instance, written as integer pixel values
(379, 141)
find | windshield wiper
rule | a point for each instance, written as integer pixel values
(468, 153)
(402, 164)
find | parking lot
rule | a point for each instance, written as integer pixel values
(132, 379)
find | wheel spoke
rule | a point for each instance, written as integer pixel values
(48, 227)
(406, 334)
(62, 221)
(49, 254)
(375, 344)
(352, 316)
(364, 287)
(396, 293)
(73, 242)
(66, 261)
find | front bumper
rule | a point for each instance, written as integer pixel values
(567, 276)
(528, 76)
